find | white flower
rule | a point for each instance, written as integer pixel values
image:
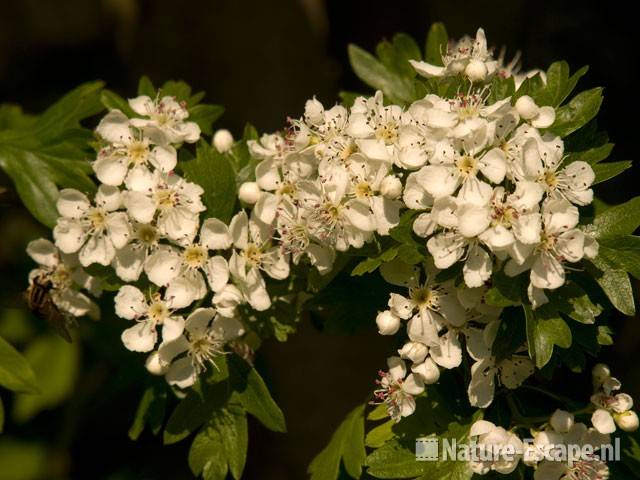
(131, 304)
(199, 344)
(511, 371)
(397, 392)
(129, 148)
(130, 259)
(542, 161)
(96, 232)
(176, 202)
(181, 270)
(249, 193)
(560, 241)
(388, 323)
(167, 115)
(333, 217)
(577, 465)
(467, 56)
(254, 252)
(376, 127)
(499, 449)
(612, 410)
(65, 278)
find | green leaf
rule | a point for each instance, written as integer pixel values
(376, 437)
(505, 291)
(254, 395)
(574, 79)
(557, 82)
(221, 444)
(20, 460)
(112, 101)
(15, 372)
(545, 328)
(145, 87)
(150, 411)
(1, 416)
(572, 300)
(371, 71)
(578, 112)
(436, 44)
(56, 365)
(195, 409)
(615, 284)
(618, 220)
(346, 445)
(214, 173)
(622, 252)
(591, 156)
(205, 115)
(51, 152)
(370, 265)
(606, 171)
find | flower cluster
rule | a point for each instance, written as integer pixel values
(562, 448)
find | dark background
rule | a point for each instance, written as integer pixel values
(262, 60)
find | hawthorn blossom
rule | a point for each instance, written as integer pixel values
(560, 241)
(397, 390)
(169, 200)
(94, 231)
(467, 56)
(510, 372)
(129, 148)
(158, 311)
(167, 115)
(203, 339)
(611, 409)
(65, 277)
(499, 450)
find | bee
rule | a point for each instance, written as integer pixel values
(39, 300)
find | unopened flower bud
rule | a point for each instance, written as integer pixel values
(600, 373)
(387, 322)
(428, 371)
(476, 71)
(561, 421)
(223, 140)
(414, 351)
(526, 107)
(627, 421)
(249, 192)
(155, 365)
(391, 187)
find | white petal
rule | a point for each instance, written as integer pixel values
(472, 220)
(446, 249)
(514, 371)
(172, 328)
(438, 180)
(181, 373)
(72, 203)
(493, 165)
(69, 235)
(477, 269)
(141, 207)
(239, 230)
(266, 207)
(164, 158)
(448, 353)
(547, 272)
(114, 128)
(603, 421)
(140, 338)
(98, 249)
(215, 235)
(413, 384)
(217, 271)
(545, 118)
(110, 170)
(426, 69)
(162, 266)
(428, 371)
(118, 229)
(142, 105)
(227, 328)
(128, 263)
(130, 303)
(43, 252)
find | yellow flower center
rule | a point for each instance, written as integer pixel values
(387, 132)
(363, 190)
(138, 152)
(195, 256)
